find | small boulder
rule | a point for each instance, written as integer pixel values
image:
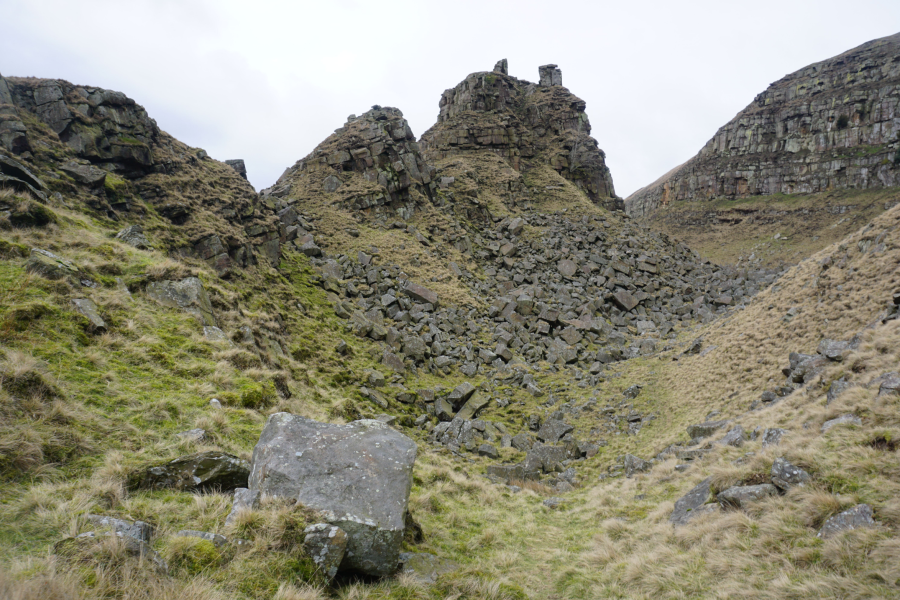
(137, 529)
(89, 311)
(735, 437)
(553, 430)
(461, 394)
(187, 294)
(785, 475)
(833, 350)
(846, 419)
(421, 294)
(693, 504)
(853, 518)
(633, 465)
(772, 436)
(244, 499)
(475, 405)
(741, 496)
(133, 235)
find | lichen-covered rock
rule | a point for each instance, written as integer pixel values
(785, 475)
(357, 475)
(205, 471)
(188, 294)
(852, 518)
(133, 235)
(327, 545)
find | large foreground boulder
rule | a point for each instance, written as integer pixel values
(358, 476)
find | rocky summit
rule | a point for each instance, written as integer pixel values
(439, 367)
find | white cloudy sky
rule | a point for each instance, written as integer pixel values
(266, 81)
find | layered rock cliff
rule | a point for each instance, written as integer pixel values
(831, 125)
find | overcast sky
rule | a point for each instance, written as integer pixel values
(267, 81)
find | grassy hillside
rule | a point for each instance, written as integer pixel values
(744, 230)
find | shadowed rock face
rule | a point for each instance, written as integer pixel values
(358, 476)
(826, 126)
(521, 122)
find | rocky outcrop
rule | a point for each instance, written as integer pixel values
(831, 125)
(372, 164)
(523, 123)
(13, 133)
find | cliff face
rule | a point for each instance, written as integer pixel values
(831, 125)
(525, 124)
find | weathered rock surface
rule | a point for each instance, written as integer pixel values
(852, 518)
(327, 545)
(785, 475)
(205, 471)
(693, 504)
(741, 496)
(358, 476)
(829, 125)
(188, 294)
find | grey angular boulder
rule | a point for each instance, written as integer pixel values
(137, 529)
(49, 265)
(772, 436)
(785, 475)
(87, 174)
(693, 504)
(133, 235)
(327, 545)
(836, 389)
(474, 406)
(833, 350)
(553, 430)
(460, 394)
(187, 294)
(88, 310)
(853, 518)
(633, 465)
(735, 437)
(743, 495)
(358, 476)
(205, 471)
(421, 294)
(847, 419)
